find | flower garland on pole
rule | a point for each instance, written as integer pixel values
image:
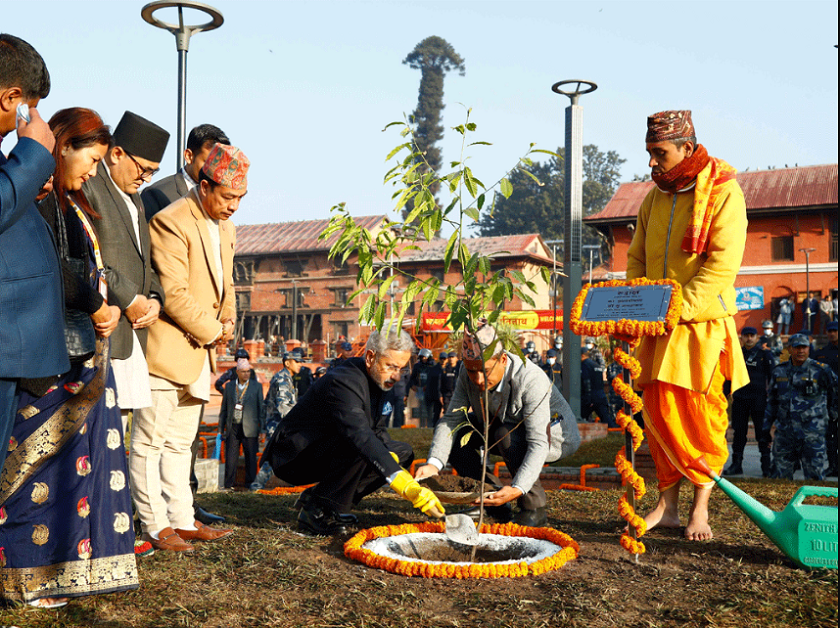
(354, 548)
(630, 332)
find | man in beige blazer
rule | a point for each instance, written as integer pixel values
(192, 251)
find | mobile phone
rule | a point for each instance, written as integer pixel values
(23, 112)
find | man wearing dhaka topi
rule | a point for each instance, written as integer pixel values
(691, 228)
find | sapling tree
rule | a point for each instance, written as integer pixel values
(479, 292)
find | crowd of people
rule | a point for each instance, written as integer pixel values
(113, 303)
(106, 315)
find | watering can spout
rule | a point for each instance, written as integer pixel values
(760, 514)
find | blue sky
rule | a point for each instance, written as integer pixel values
(305, 88)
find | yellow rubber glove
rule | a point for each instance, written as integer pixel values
(395, 457)
(420, 497)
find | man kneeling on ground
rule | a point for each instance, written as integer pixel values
(336, 438)
(521, 402)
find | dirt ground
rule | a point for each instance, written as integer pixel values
(267, 574)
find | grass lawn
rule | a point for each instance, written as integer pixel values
(268, 575)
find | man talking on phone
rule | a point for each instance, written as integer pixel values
(31, 304)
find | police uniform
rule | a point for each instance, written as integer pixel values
(828, 355)
(750, 402)
(801, 402)
(592, 396)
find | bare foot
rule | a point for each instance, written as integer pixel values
(662, 516)
(698, 528)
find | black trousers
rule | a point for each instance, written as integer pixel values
(235, 438)
(399, 411)
(601, 407)
(341, 475)
(511, 445)
(744, 408)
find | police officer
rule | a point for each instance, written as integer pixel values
(769, 340)
(750, 401)
(801, 402)
(592, 396)
(828, 356)
(532, 354)
(595, 353)
(553, 368)
(419, 378)
(451, 368)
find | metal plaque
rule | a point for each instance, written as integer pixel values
(636, 303)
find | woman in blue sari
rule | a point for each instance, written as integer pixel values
(65, 508)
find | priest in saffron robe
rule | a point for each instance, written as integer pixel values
(691, 227)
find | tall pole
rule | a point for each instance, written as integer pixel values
(808, 312)
(294, 310)
(182, 44)
(573, 225)
(554, 274)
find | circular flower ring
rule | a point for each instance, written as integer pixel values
(354, 548)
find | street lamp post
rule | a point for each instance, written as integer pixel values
(591, 248)
(573, 225)
(554, 273)
(182, 43)
(808, 312)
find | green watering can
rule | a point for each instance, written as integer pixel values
(806, 534)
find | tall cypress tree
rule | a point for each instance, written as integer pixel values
(434, 57)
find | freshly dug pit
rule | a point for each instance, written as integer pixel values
(436, 548)
(454, 484)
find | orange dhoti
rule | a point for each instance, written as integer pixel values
(683, 424)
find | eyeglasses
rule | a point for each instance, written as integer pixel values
(392, 368)
(142, 173)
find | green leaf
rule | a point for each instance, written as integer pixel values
(471, 126)
(396, 150)
(534, 177)
(383, 287)
(366, 313)
(480, 201)
(469, 182)
(465, 439)
(480, 144)
(379, 316)
(506, 187)
(472, 212)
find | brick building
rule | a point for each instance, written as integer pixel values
(788, 209)
(286, 286)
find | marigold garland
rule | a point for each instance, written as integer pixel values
(284, 490)
(626, 327)
(354, 549)
(631, 332)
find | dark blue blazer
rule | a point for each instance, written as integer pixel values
(31, 295)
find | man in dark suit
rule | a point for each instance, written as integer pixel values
(31, 305)
(336, 437)
(241, 420)
(168, 190)
(133, 285)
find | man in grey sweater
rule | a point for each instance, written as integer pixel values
(520, 404)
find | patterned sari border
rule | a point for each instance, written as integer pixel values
(70, 579)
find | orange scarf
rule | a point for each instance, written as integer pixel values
(710, 182)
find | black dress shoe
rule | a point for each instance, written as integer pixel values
(305, 500)
(320, 522)
(207, 518)
(532, 518)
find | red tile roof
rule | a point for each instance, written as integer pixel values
(808, 186)
(526, 245)
(288, 237)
